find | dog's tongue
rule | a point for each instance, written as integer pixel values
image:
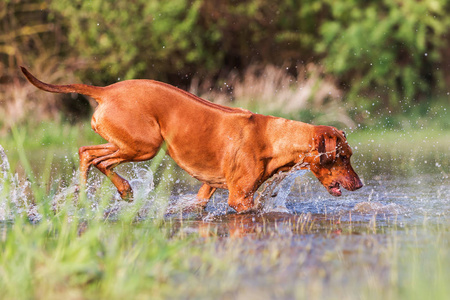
(336, 191)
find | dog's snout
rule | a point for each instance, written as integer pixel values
(352, 184)
(355, 184)
(359, 184)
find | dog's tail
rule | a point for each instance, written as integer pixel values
(88, 90)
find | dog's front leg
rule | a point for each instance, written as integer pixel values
(243, 188)
(204, 194)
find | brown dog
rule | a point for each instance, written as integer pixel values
(223, 147)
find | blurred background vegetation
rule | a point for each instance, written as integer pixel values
(343, 62)
(378, 65)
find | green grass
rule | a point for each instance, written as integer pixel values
(58, 140)
(61, 259)
(75, 259)
(401, 152)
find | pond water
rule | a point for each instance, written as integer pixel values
(382, 202)
(394, 232)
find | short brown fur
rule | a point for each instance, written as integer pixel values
(223, 147)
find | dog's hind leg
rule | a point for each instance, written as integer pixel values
(89, 153)
(107, 156)
(106, 166)
(104, 157)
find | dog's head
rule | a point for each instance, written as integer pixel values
(330, 161)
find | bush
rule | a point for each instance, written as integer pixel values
(386, 48)
(153, 39)
(390, 51)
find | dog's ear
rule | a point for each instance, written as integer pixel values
(327, 148)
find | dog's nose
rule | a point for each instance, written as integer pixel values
(358, 184)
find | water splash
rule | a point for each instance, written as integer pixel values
(370, 207)
(277, 201)
(274, 192)
(14, 193)
(145, 202)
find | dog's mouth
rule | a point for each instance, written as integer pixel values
(335, 189)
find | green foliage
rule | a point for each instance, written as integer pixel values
(382, 52)
(151, 39)
(387, 48)
(391, 49)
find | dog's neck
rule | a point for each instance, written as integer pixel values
(291, 142)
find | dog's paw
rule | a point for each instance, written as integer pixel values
(127, 196)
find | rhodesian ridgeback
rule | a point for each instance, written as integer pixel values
(223, 147)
